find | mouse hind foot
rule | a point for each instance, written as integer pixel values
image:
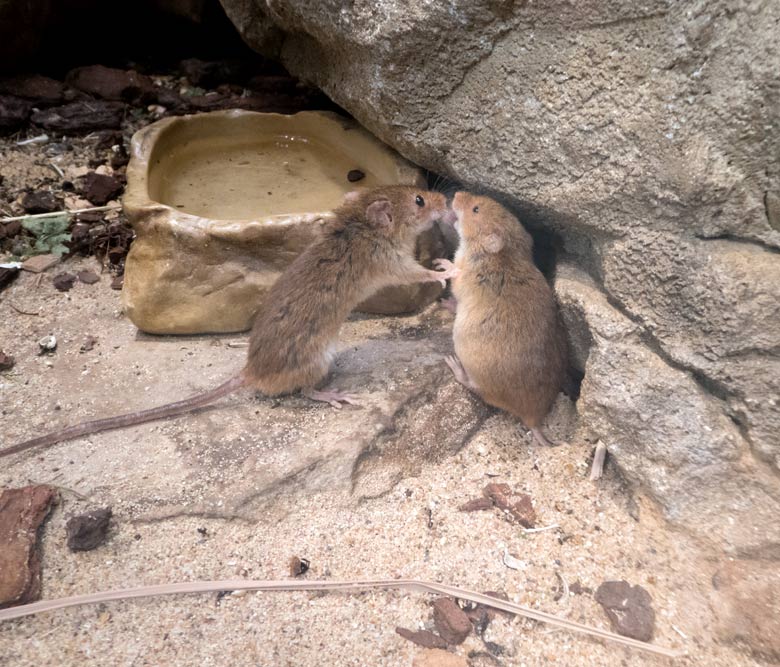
(332, 396)
(460, 373)
(542, 439)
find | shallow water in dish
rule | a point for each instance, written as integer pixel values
(230, 179)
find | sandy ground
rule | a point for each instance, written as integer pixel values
(414, 529)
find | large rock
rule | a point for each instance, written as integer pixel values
(646, 140)
(22, 511)
(665, 431)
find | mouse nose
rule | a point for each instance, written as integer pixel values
(450, 217)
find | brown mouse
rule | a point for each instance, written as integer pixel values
(367, 245)
(510, 347)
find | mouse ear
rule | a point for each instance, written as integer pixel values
(380, 213)
(493, 243)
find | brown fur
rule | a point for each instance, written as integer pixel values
(294, 335)
(507, 332)
(366, 246)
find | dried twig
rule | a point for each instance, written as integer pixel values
(553, 526)
(59, 171)
(108, 207)
(597, 469)
(20, 311)
(564, 586)
(67, 489)
(349, 586)
(40, 139)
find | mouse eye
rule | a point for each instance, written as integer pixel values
(475, 209)
(419, 201)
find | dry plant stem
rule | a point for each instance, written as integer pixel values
(528, 531)
(111, 207)
(564, 586)
(64, 489)
(349, 586)
(597, 469)
(20, 311)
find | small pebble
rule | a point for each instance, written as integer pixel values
(629, 608)
(88, 277)
(6, 361)
(298, 566)
(64, 281)
(89, 530)
(47, 344)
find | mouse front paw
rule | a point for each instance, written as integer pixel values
(446, 271)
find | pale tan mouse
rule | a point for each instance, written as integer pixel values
(510, 347)
(367, 245)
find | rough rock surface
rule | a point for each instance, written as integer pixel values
(664, 429)
(644, 138)
(750, 593)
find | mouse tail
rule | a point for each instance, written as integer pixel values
(129, 419)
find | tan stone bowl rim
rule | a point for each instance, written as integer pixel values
(136, 201)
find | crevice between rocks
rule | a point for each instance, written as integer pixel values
(707, 384)
(628, 20)
(710, 386)
(740, 240)
(499, 36)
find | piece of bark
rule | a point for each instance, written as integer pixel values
(476, 505)
(22, 511)
(424, 638)
(39, 263)
(451, 621)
